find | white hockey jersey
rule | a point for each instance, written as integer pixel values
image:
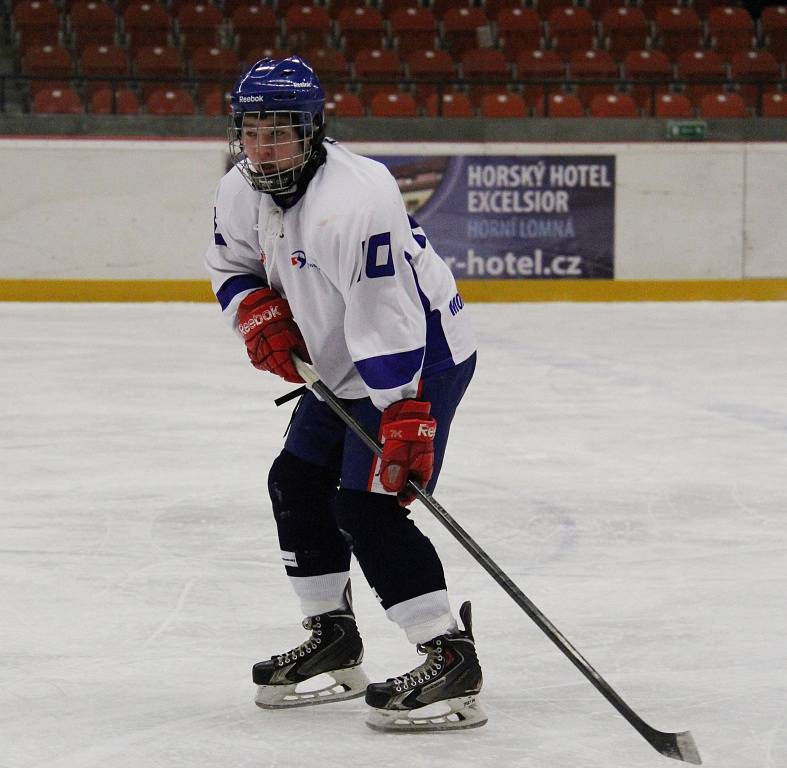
(377, 307)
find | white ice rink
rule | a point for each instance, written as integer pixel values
(626, 465)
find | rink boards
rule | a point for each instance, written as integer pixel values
(128, 220)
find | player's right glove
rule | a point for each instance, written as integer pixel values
(271, 335)
(408, 446)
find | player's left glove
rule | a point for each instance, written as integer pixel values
(271, 334)
(408, 434)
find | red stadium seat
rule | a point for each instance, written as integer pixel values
(146, 24)
(494, 8)
(461, 28)
(613, 105)
(125, 102)
(257, 53)
(106, 60)
(539, 65)
(519, 29)
(647, 66)
(450, 105)
(92, 22)
(559, 105)
(701, 66)
(545, 7)
(722, 105)
(214, 64)
(678, 29)
(441, 7)
(330, 63)
(598, 8)
(571, 29)
(482, 64)
(335, 7)
(380, 65)
(360, 28)
(673, 105)
(37, 23)
(215, 102)
(284, 6)
(393, 104)
(57, 101)
(503, 104)
(747, 66)
(774, 105)
(389, 7)
(343, 104)
(306, 26)
(254, 26)
(592, 65)
(651, 7)
(161, 62)
(730, 29)
(174, 101)
(625, 29)
(413, 29)
(109, 61)
(773, 23)
(199, 26)
(53, 61)
(429, 65)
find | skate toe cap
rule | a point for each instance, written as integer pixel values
(378, 695)
(261, 672)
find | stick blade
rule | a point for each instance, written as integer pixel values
(687, 748)
(679, 746)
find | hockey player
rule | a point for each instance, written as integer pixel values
(314, 254)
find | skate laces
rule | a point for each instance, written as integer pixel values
(312, 623)
(431, 667)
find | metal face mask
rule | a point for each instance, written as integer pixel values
(271, 148)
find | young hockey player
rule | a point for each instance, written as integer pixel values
(314, 254)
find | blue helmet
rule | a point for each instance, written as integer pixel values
(273, 96)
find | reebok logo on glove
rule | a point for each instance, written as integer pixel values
(425, 430)
(266, 323)
(408, 433)
(274, 313)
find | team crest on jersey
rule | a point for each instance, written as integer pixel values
(298, 259)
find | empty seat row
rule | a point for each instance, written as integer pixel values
(197, 24)
(480, 63)
(177, 101)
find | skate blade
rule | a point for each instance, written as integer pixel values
(322, 689)
(453, 715)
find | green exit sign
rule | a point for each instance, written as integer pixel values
(686, 130)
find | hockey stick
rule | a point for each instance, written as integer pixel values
(679, 746)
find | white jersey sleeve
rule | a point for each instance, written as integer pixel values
(233, 258)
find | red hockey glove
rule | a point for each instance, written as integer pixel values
(266, 324)
(408, 434)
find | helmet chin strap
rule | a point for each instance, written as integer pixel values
(263, 180)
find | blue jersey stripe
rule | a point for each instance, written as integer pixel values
(236, 285)
(420, 239)
(438, 354)
(389, 371)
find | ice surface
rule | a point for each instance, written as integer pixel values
(626, 465)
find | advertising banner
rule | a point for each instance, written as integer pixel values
(514, 217)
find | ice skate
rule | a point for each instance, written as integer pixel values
(332, 653)
(440, 695)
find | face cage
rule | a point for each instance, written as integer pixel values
(280, 142)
